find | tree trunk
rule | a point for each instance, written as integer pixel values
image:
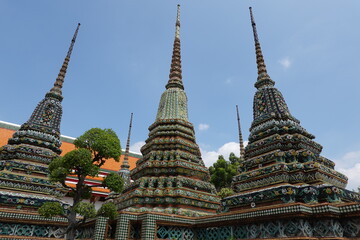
(71, 229)
(73, 224)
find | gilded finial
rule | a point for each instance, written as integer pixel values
(56, 90)
(263, 78)
(242, 150)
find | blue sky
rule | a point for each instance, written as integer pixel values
(121, 61)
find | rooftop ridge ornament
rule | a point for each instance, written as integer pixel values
(242, 149)
(263, 78)
(175, 77)
(56, 90)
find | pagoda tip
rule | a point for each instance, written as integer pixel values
(61, 76)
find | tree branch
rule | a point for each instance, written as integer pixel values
(66, 186)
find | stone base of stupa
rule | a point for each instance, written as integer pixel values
(282, 221)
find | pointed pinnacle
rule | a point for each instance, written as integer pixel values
(175, 77)
(263, 77)
(61, 76)
(242, 150)
(125, 164)
(177, 31)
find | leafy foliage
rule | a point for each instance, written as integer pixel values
(108, 210)
(103, 143)
(233, 159)
(51, 209)
(114, 182)
(93, 148)
(77, 162)
(87, 210)
(223, 171)
(225, 192)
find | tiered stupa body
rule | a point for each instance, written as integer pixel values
(282, 161)
(171, 176)
(24, 160)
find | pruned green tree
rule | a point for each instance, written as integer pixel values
(222, 171)
(225, 192)
(233, 158)
(93, 148)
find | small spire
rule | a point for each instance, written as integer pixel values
(263, 77)
(61, 76)
(242, 150)
(175, 77)
(125, 164)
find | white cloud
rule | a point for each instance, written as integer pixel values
(285, 62)
(209, 157)
(349, 164)
(136, 146)
(353, 174)
(229, 80)
(203, 126)
(351, 158)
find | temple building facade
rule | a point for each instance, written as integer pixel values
(284, 188)
(8, 129)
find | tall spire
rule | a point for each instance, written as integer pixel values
(125, 164)
(175, 78)
(263, 77)
(124, 171)
(242, 150)
(173, 102)
(56, 90)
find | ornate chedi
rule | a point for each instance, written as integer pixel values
(24, 160)
(282, 161)
(171, 176)
(285, 189)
